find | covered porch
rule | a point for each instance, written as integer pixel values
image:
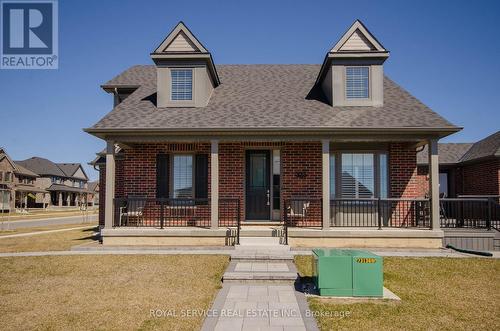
(330, 191)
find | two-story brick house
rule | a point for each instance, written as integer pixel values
(328, 152)
(65, 183)
(18, 187)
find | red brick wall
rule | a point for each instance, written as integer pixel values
(482, 178)
(422, 182)
(232, 173)
(301, 171)
(474, 179)
(404, 182)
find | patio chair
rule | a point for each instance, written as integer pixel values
(133, 216)
(298, 210)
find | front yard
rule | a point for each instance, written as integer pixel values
(115, 292)
(55, 241)
(436, 293)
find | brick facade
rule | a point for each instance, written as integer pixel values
(301, 172)
(404, 182)
(480, 178)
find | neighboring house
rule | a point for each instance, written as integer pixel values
(17, 186)
(65, 182)
(93, 197)
(466, 168)
(318, 147)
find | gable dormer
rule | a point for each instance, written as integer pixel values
(186, 74)
(352, 73)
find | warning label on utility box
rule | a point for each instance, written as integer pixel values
(366, 260)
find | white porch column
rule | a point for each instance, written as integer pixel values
(214, 184)
(59, 200)
(326, 183)
(110, 185)
(434, 182)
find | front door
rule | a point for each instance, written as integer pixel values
(258, 203)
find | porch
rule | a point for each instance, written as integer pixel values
(297, 191)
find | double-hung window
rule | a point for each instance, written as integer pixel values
(358, 175)
(357, 82)
(182, 176)
(182, 84)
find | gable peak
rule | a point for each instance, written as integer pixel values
(357, 39)
(180, 40)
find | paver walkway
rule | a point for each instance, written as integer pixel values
(259, 294)
(245, 307)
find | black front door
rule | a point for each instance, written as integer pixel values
(257, 185)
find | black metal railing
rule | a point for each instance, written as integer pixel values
(160, 213)
(230, 215)
(380, 213)
(474, 213)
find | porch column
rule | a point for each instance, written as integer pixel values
(326, 183)
(110, 185)
(59, 200)
(434, 182)
(214, 184)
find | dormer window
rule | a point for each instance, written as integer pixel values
(357, 82)
(182, 84)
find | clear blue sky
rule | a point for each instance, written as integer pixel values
(446, 53)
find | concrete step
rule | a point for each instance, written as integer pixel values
(281, 277)
(259, 241)
(259, 256)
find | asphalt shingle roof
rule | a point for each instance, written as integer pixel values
(263, 96)
(41, 166)
(449, 153)
(452, 153)
(489, 146)
(69, 168)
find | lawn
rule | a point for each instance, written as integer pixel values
(41, 214)
(45, 228)
(436, 293)
(56, 241)
(107, 292)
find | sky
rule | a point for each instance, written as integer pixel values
(445, 53)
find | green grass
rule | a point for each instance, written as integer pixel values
(436, 293)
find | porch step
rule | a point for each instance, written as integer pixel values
(259, 241)
(241, 277)
(261, 271)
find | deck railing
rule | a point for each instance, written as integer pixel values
(364, 213)
(160, 213)
(473, 212)
(380, 213)
(164, 213)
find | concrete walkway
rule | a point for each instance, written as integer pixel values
(11, 225)
(45, 232)
(232, 252)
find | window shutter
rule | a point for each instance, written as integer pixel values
(162, 176)
(201, 176)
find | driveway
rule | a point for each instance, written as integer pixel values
(47, 222)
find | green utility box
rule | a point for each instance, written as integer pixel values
(348, 272)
